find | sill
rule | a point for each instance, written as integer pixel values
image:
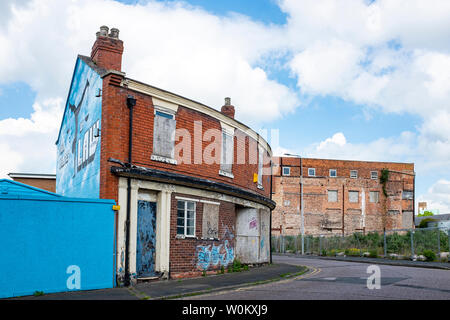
(155, 157)
(226, 174)
(180, 236)
(260, 187)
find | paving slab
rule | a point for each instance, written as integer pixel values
(165, 289)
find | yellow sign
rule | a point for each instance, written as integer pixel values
(255, 177)
(116, 208)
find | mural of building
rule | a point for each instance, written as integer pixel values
(192, 182)
(341, 196)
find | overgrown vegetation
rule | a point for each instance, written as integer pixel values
(372, 243)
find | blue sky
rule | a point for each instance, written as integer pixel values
(357, 79)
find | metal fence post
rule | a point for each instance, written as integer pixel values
(412, 243)
(439, 242)
(384, 241)
(320, 245)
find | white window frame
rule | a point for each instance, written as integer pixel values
(372, 173)
(335, 171)
(185, 235)
(354, 176)
(289, 168)
(312, 175)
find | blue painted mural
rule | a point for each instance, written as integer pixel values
(78, 145)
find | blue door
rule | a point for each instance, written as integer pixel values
(146, 239)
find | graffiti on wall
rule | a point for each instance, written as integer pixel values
(78, 159)
(209, 256)
(214, 256)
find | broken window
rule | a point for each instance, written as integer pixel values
(332, 196)
(186, 218)
(353, 196)
(374, 196)
(164, 136)
(408, 195)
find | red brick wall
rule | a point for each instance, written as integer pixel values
(114, 142)
(321, 216)
(184, 252)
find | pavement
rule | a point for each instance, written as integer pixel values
(170, 289)
(391, 262)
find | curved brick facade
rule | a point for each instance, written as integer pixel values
(195, 195)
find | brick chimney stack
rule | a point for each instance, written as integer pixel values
(227, 108)
(107, 49)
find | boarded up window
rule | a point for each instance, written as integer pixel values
(408, 195)
(260, 165)
(164, 135)
(353, 196)
(210, 227)
(227, 152)
(332, 196)
(374, 196)
(407, 219)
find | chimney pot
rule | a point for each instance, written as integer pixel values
(228, 101)
(114, 33)
(104, 31)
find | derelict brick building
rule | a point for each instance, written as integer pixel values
(188, 178)
(341, 196)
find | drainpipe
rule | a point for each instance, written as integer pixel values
(131, 102)
(301, 206)
(270, 220)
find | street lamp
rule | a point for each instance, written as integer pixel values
(301, 201)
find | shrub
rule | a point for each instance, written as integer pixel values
(429, 255)
(373, 253)
(355, 252)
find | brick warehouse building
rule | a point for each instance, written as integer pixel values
(183, 210)
(341, 196)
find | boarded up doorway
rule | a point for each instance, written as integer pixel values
(146, 239)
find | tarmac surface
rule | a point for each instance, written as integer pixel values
(336, 278)
(344, 280)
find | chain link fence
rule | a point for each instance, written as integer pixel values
(422, 244)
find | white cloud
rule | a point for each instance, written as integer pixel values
(391, 55)
(174, 46)
(437, 196)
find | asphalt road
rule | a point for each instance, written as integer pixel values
(345, 281)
